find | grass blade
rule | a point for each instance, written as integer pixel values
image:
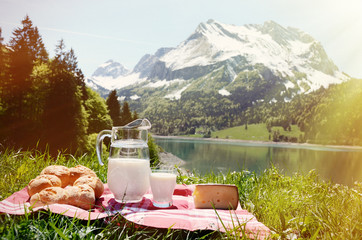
(57, 230)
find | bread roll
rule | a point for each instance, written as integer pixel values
(41, 182)
(61, 172)
(48, 196)
(79, 171)
(80, 196)
(94, 182)
(35, 200)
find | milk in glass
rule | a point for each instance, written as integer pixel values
(162, 187)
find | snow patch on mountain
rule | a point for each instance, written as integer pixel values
(110, 83)
(323, 79)
(135, 97)
(176, 95)
(163, 83)
(224, 92)
(289, 85)
(90, 83)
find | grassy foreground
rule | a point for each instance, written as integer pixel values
(297, 207)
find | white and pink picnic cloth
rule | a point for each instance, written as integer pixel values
(182, 215)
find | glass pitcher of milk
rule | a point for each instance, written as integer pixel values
(128, 161)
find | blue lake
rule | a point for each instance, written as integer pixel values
(339, 164)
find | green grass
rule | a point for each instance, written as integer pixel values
(299, 206)
(254, 132)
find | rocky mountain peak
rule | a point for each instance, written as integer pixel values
(110, 69)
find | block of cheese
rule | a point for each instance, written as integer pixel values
(219, 196)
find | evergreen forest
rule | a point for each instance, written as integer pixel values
(44, 102)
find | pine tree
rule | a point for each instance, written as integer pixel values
(114, 108)
(97, 111)
(126, 115)
(65, 123)
(2, 65)
(2, 74)
(1, 55)
(79, 77)
(26, 48)
(135, 115)
(29, 40)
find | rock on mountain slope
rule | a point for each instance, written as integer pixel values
(224, 58)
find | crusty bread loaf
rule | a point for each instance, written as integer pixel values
(52, 186)
(219, 196)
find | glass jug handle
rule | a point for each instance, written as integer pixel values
(100, 137)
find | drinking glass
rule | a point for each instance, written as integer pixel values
(163, 183)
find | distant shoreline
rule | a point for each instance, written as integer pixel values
(281, 144)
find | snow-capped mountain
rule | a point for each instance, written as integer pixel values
(280, 49)
(110, 69)
(220, 57)
(111, 75)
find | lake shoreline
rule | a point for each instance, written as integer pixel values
(339, 164)
(280, 144)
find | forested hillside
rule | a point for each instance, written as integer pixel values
(44, 102)
(331, 116)
(328, 115)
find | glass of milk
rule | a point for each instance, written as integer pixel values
(163, 183)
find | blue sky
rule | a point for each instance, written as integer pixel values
(126, 30)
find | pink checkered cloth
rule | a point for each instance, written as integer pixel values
(182, 215)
